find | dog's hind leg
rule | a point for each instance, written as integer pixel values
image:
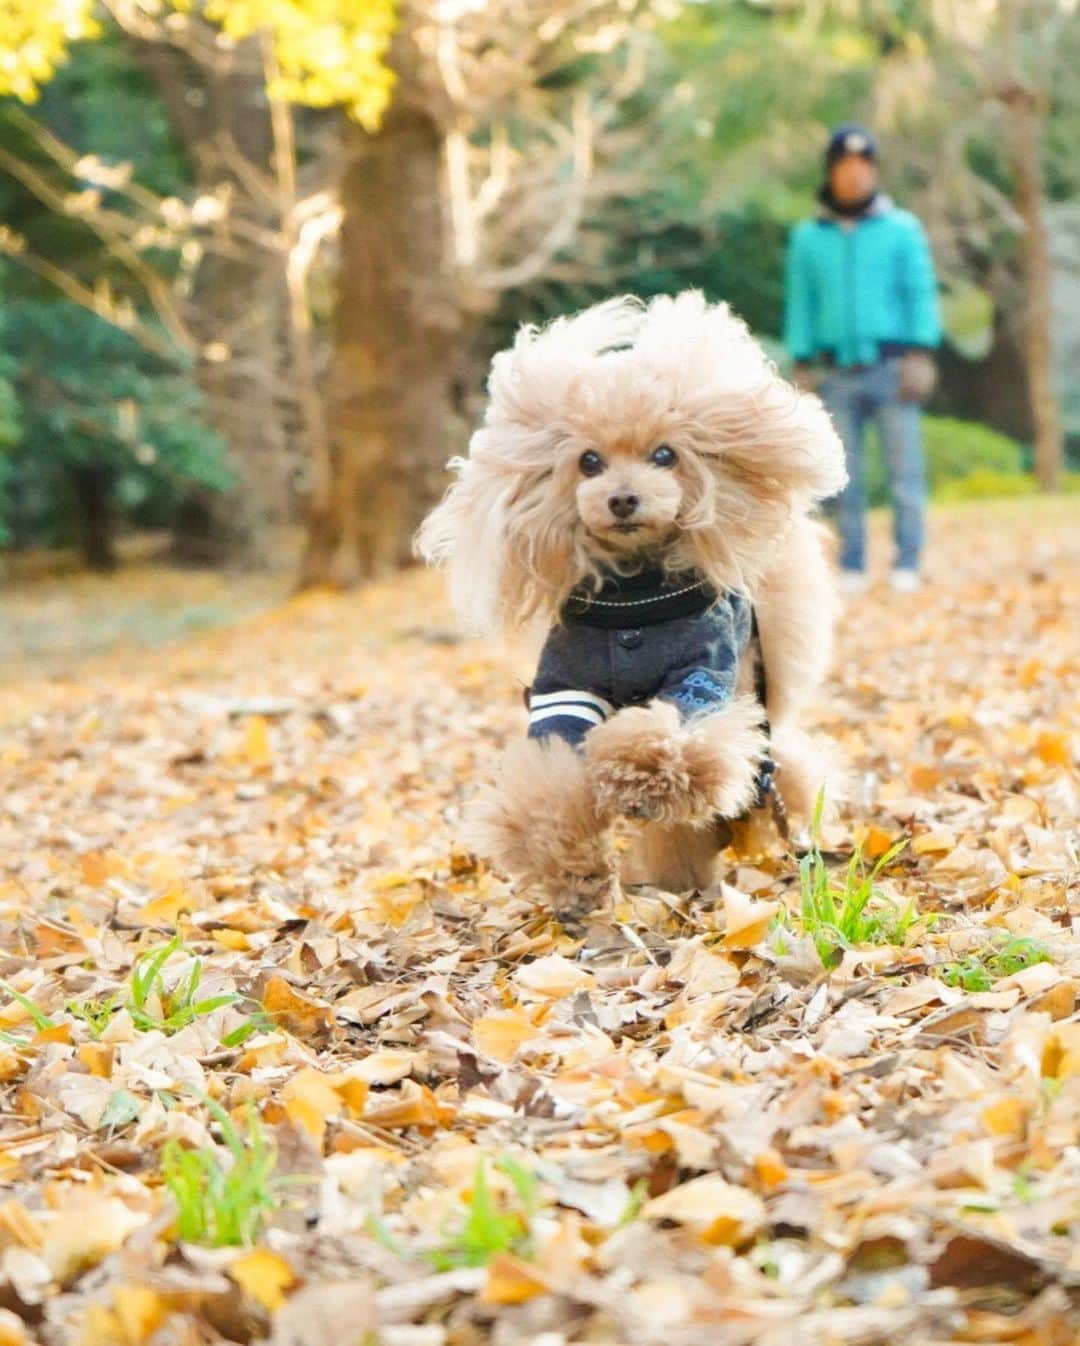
(540, 827)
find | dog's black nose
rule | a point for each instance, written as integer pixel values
(623, 504)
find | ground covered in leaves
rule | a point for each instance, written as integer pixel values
(278, 1059)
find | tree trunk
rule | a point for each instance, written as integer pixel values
(398, 352)
(91, 485)
(1024, 116)
(219, 113)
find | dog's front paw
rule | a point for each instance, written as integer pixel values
(644, 763)
(637, 766)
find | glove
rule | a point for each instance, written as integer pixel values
(806, 377)
(918, 376)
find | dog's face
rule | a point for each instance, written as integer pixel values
(622, 434)
(628, 500)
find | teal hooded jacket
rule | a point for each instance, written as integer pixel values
(858, 293)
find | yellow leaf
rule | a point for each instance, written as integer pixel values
(94, 866)
(264, 1276)
(1007, 1117)
(166, 910)
(19, 1226)
(553, 977)
(510, 1281)
(745, 918)
(296, 1013)
(717, 1211)
(931, 843)
(232, 939)
(875, 841)
(100, 1327)
(309, 1099)
(139, 1311)
(85, 1231)
(770, 1169)
(1061, 1055)
(385, 1067)
(414, 1105)
(500, 1035)
(97, 1057)
(257, 741)
(12, 1329)
(1053, 749)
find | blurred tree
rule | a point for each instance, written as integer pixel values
(248, 229)
(494, 148)
(106, 425)
(968, 96)
(78, 318)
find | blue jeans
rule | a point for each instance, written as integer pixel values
(855, 397)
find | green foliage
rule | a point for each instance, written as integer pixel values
(222, 1199)
(955, 450)
(853, 912)
(91, 398)
(488, 1230)
(1001, 485)
(154, 1005)
(38, 1017)
(1006, 956)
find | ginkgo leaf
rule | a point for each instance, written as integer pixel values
(746, 919)
(499, 1035)
(718, 1211)
(264, 1275)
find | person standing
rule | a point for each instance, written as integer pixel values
(861, 323)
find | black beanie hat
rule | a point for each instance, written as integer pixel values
(850, 139)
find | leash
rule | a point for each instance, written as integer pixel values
(767, 793)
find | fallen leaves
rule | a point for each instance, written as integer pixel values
(717, 1211)
(690, 1129)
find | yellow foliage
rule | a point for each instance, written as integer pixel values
(326, 52)
(34, 37)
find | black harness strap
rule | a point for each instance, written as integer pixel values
(767, 792)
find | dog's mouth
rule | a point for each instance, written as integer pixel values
(627, 527)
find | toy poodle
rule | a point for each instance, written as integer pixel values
(642, 483)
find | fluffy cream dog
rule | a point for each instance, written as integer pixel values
(642, 482)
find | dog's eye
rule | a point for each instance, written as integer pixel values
(664, 456)
(591, 464)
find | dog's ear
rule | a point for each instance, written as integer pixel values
(466, 535)
(736, 405)
(503, 532)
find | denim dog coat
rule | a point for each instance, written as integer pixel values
(640, 637)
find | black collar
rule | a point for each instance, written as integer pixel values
(645, 599)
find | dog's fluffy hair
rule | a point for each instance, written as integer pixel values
(754, 454)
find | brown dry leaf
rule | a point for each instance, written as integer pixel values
(285, 795)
